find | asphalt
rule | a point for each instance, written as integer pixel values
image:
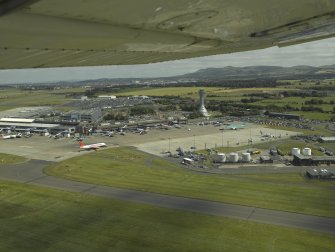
(31, 172)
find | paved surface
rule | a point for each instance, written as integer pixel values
(203, 137)
(155, 141)
(31, 172)
(255, 169)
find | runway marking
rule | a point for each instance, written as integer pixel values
(252, 212)
(33, 180)
(23, 146)
(89, 189)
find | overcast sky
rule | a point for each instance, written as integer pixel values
(316, 53)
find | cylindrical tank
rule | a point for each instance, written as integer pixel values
(295, 151)
(307, 151)
(220, 158)
(246, 157)
(233, 157)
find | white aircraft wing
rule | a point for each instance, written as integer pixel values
(59, 33)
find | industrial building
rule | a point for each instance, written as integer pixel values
(302, 160)
(90, 115)
(320, 174)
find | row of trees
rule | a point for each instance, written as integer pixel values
(318, 102)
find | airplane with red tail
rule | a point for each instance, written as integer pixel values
(95, 146)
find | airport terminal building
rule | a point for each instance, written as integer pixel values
(23, 124)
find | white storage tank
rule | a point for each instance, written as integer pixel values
(295, 151)
(307, 151)
(233, 157)
(246, 157)
(220, 158)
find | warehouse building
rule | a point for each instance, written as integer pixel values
(320, 174)
(301, 160)
(327, 139)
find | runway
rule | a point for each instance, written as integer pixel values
(31, 172)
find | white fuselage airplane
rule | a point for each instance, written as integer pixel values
(11, 136)
(96, 146)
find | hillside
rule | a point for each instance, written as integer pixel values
(253, 72)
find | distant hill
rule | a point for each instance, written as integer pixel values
(253, 72)
(213, 74)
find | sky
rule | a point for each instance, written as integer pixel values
(317, 53)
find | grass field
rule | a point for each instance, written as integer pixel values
(193, 91)
(318, 130)
(313, 115)
(235, 95)
(10, 159)
(49, 220)
(128, 168)
(31, 98)
(13, 98)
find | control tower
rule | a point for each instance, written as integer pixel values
(202, 109)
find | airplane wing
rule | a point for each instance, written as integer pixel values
(59, 33)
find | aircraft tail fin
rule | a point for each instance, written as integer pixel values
(81, 143)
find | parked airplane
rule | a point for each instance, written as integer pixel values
(19, 135)
(108, 133)
(95, 146)
(141, 131)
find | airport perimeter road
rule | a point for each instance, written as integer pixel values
(31, 172)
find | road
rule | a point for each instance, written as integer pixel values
(31, 172)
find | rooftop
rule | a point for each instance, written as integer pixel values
(28, 125)
(16, 120)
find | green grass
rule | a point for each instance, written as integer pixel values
(32, 98)
(128, 168)
(193, 91)
(313, 115)
(330, 146)
(10, 159)
(13, 98)
(318, 130)
(32, 219)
